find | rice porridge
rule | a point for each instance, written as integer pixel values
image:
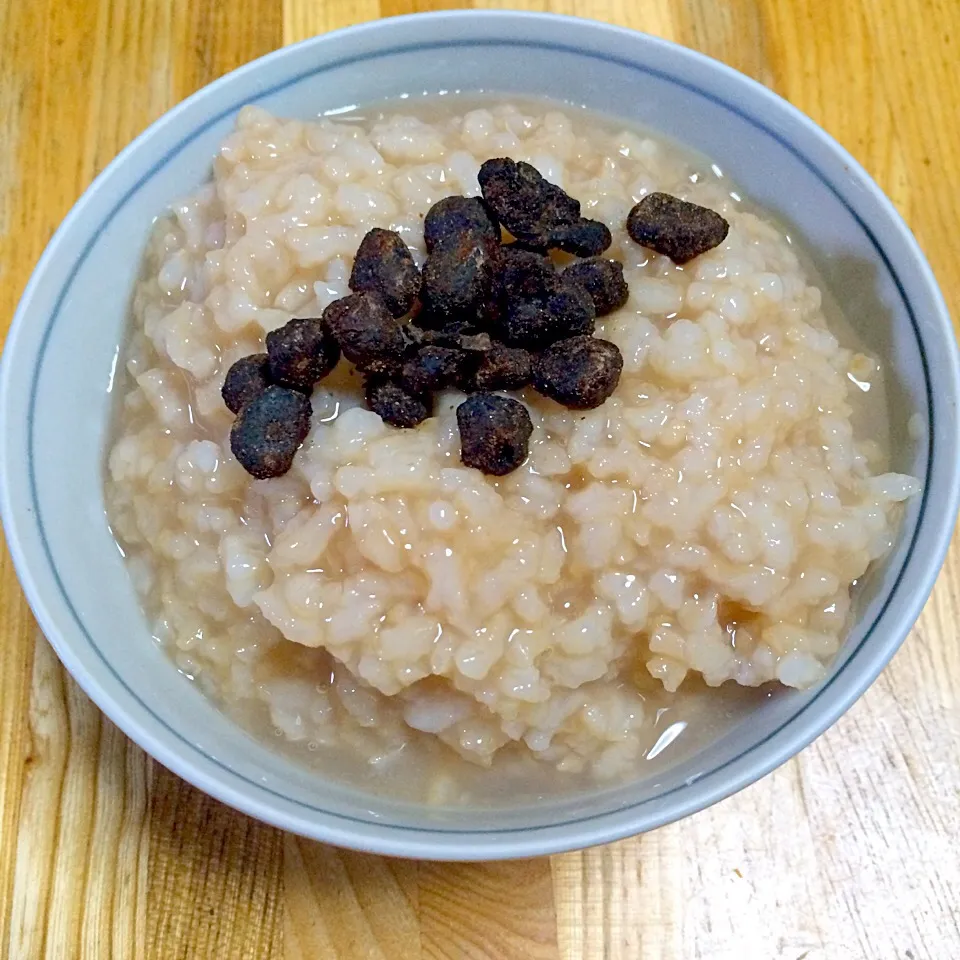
(387, 612)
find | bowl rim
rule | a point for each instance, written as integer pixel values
(187, 761)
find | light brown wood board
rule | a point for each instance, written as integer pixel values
(847, 852)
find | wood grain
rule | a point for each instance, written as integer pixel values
(86, 855)
(842, 854)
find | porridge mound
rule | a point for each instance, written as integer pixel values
(704, 525)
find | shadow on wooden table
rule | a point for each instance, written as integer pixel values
(222, 885)
(343, 904)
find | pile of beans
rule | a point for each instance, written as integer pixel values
(481, 316)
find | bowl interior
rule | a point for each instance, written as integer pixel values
(58, 396)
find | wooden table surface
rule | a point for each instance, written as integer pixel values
(850, 851)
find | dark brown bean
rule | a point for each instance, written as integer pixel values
(529, 324)
(580, 372)
(365, 330)
(529, 206)
(441, 324)
(501, 368)
(384, 265)
(539, 248)
(533, 323)
(384, 368)
(459, 279)
(454, 217)
(246, 379)
(395, 404)
(524, 273)
(301, 352)
(603, 281)
(433, 368)
(584, 238)
(269, 430)
(676, 228)
(494, 433)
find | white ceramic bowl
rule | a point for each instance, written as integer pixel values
(59, 360)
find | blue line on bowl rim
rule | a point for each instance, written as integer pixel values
(416, 48)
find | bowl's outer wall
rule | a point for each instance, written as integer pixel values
(71, 319)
